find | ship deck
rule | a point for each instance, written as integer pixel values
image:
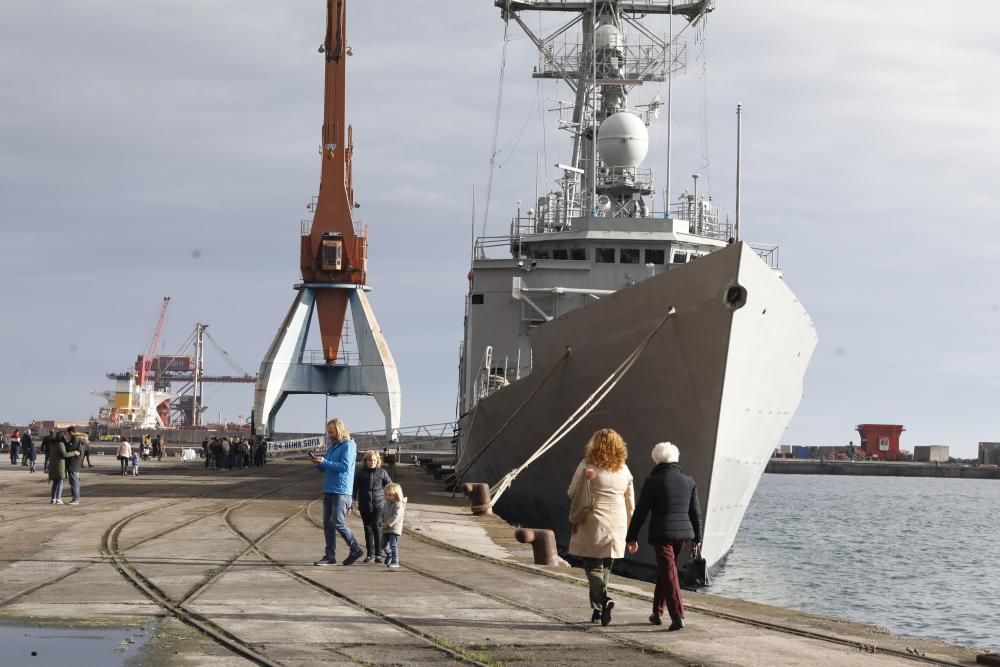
(217, 568)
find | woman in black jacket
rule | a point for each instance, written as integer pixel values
(369, 499)
(672, 498)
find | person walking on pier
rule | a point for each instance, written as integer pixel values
(77, 445)
(392, 525)
(672, 498)
(602, 500)
(337, 467)
(27, 447)
(28, 452)
(15, 447)
(369, 498)
(57, 466)
(124, 456)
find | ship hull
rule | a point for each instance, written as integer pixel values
(721, 380)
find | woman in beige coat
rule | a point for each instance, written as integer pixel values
(599, 537)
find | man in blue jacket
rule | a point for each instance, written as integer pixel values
(337, 466)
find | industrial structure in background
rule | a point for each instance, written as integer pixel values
(166, 391)
(334, 263)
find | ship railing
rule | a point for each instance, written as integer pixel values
(627, 177)
(633, 61)
(769, 253)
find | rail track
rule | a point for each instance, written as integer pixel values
(735, 618)
(581, 626)
(10, 599)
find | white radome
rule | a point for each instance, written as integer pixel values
(623, 140)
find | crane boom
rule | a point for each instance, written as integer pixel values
(147, 361)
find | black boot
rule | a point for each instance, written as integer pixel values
(606, 608)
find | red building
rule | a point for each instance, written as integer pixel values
(881, 440)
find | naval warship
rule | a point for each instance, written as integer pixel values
(604, 312)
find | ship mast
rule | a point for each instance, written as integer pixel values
(603, 176)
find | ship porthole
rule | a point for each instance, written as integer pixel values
(734, 296)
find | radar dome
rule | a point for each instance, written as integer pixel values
(623, 140)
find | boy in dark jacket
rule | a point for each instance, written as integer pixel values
(672, 498)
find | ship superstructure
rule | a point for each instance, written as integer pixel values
(594, 270)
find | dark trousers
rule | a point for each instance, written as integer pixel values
(598, 570)
(335, 521)
(667, 596)
(373, 530)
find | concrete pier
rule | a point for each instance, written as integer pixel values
(218, 567)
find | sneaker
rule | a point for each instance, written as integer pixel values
(58, 502)
(596, 616)
(74, 502)
(394, 564)
(609, 604)
(325, 561)
(368, 559)
(52, 501)
(676, 625)
(379, 559)
(655, 620)
(355, 555)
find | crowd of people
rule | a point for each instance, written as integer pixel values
(368, 490)
(221, 453)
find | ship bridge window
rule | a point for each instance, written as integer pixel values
(477, 299)
(540, 254)
(560, 254)
(604, 255)
(629, 256)
(654, 256)
(579, 254)
(680, 258)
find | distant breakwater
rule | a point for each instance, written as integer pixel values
(881, 469)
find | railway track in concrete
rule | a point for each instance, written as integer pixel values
(592, 630)
(180, 608)
(870, 648)
(21, 594)
(446, 648)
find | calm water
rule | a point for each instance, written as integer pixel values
(45, 646)
(918, 556)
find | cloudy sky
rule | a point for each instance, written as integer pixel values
(168, 147)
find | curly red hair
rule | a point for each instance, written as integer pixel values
(607, 450)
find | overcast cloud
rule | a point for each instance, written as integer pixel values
(168, 147)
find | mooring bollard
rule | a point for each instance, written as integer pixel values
(479, 494)
(543, 544)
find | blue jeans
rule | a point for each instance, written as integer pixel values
(390, 545)
(57, 486)
(74, 484)
(334, 521)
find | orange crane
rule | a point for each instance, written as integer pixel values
(334, 261)
(144, 363)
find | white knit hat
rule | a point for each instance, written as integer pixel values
(666, 452)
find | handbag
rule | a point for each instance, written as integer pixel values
(698, 568)
(582, 504)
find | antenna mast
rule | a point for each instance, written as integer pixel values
(739, 166)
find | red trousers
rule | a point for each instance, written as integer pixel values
(667, 596)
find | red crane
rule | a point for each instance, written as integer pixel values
(146, 362)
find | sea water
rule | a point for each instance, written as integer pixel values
(920, 556)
